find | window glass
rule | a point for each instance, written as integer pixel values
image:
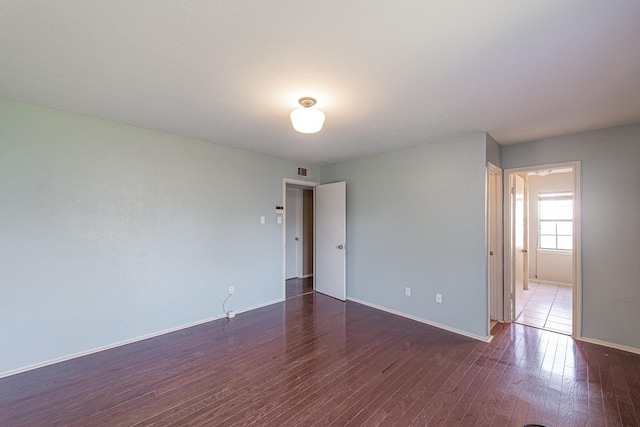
(547, 227)
(547, 242)
(565, 228)
(555, 221)
(565, 243)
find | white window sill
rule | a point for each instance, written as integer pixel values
(554, 252)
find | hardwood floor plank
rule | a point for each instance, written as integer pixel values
(515, 405)
(355, 394)
(462, 412)
(298, 382)
(622, 390)
(541, 390)
(405, 396)
(422, 400)
(314, 360)
(329, 385)
(447, 385)
(298, 286)
(483, 408)
(319, 398)
(397, 382)
(513, 378)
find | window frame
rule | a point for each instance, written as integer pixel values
(548, 197)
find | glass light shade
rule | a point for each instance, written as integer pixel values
(307, 120)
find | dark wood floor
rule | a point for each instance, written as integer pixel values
(299, 286)
(314, 360)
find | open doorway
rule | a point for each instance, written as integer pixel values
(542, 234)
(495, 256)
(298, 220)
(329, 224)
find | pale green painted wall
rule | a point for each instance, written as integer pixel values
(416, 218)
(110, 232)
(610, 166)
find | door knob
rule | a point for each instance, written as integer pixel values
(341, 246)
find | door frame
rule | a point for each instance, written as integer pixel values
(298, 222)
(519, 259)
(494, 231)
(576, 263)
(308, 186)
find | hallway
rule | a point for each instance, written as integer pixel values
(299, 286)
(547, 306)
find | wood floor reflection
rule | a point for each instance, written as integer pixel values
(299, 286)
(314, 360)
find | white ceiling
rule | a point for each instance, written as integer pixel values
(387, 74)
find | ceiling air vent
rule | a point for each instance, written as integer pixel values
(304, 172)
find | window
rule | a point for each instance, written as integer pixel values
(555, 218)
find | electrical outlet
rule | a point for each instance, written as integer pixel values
(231, 314)
(232, 289)
(439, 298)
(407, 291)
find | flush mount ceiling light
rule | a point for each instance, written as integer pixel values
(307, 119)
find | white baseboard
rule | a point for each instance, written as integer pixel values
(306, 275)
(125, 342)
(486, 339)
(551, 282)
(255, 307)
(610, 345)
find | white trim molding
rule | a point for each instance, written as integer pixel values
(124, 342)
(577, 242)
(610, 345)
(551, 282)
(311, 186)
(487, 339)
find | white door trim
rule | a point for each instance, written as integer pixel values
(309, 185)
(293, 214)
(495, 283)
(577, 240)
(300, 246)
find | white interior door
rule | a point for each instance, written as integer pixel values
(331, 226)
(495, 244)
(292, 240)
(518, 238)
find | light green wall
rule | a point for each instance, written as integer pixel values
(493, 151)
(416, 218)
(111, 232)
(610, 181)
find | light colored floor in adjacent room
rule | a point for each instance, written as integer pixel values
(547, 306)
